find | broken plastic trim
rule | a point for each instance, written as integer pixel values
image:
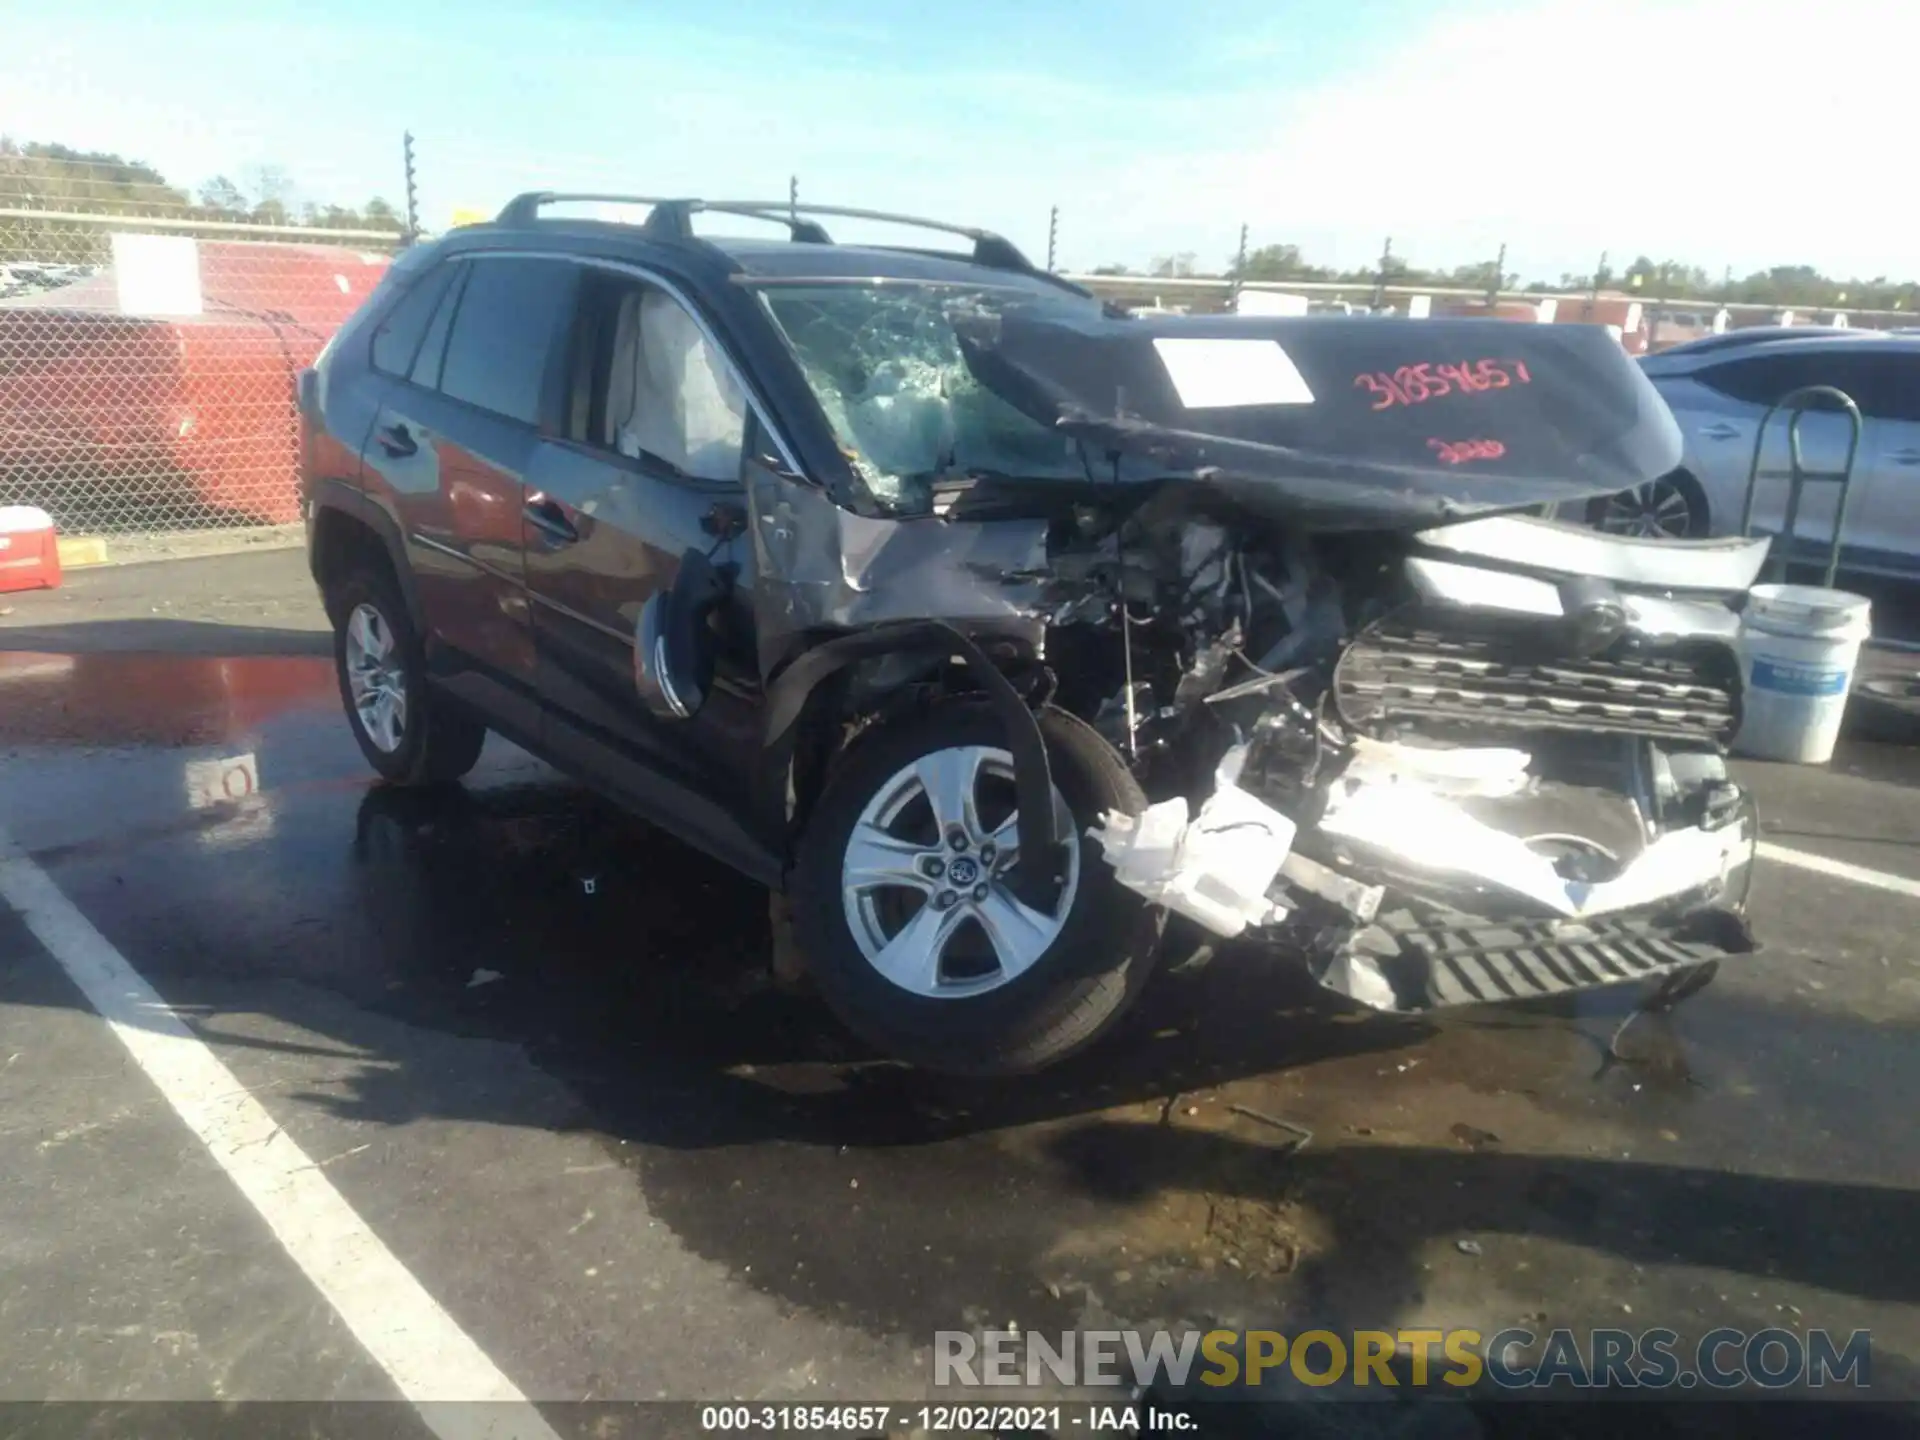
(1214, 868)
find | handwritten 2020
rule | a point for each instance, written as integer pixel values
(1459, 452)
(1417, 384)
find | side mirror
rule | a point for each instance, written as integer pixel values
(674, 651)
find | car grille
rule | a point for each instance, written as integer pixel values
(1410, 676)
(1478, 965)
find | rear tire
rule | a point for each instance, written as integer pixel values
(410, 734)
(1074, 974)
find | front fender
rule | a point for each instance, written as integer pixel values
(1032, 774)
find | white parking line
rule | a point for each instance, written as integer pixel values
(1841, 870)
(432, 1361)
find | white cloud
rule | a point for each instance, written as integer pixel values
(1712, 131)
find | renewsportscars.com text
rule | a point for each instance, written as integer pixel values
(1513, 1359)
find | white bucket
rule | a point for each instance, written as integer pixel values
(1799, 645)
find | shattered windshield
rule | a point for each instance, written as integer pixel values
(885, 362)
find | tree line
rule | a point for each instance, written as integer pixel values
(1781, 285)
(42, 176)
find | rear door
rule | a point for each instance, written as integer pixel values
(646, 467)
(452, 445)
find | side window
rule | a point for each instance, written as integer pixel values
(503, 333)
(1763, 379)
(1903, 379)
(1880, 384)
(658, 388)
(397, 337)
(433, 349)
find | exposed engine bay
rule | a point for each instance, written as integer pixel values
(1443, 779)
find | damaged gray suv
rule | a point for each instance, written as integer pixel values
(990, 626)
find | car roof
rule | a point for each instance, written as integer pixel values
(763, 259)
(772, 261)
(1685, 359)
(806, 253)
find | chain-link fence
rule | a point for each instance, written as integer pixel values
(147, 370)
(150, 342)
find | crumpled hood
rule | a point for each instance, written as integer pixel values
(1335, 422)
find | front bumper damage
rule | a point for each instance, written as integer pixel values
(1419, 901)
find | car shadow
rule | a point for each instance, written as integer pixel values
(633, 975)
(164, 636)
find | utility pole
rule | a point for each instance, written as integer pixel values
(1053, 236)
(1599, 276)
(793, 197)
(1239, 271)
(1380, 287)
(1498, 279)
(413, 192)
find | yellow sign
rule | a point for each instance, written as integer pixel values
(470, 217)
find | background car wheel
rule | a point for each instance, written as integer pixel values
(1673, 507)
(408, 734)
(911, 933)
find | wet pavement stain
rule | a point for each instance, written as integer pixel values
(1754, 1150)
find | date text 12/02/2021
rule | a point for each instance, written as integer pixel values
(861, 1421)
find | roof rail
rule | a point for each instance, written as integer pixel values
(672, 220)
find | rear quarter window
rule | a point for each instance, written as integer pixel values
(397, 335)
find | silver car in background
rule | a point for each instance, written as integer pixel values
(1720, 389)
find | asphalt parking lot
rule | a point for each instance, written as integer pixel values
(557, 1136)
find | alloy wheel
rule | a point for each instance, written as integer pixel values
(925, 871)
(1657, 510)
(376, 678)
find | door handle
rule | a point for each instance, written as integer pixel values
(1721, 431)
(550, 520)
(1908, 456)
(397, 440)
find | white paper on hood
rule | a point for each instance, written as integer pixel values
(1219, 374)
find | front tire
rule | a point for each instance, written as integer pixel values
(409, 734)
(911, 934)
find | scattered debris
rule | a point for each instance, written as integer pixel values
(484, 977)
(1472, 1136)
(1468, 1247)
(1305, 1135)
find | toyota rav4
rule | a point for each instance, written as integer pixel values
(990, 625)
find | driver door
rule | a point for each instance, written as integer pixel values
(646, 470)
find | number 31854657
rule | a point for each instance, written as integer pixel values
(1417, 384)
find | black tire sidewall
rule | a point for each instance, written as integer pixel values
(406, 763)
(1081, 986)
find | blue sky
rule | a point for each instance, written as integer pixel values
(1560, 127)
